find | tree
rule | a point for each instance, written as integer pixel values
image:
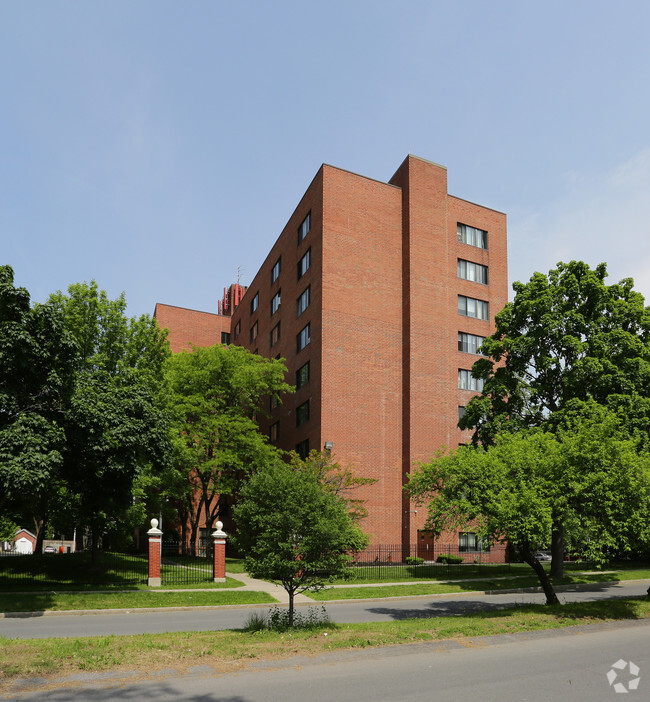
(216, 393)
(115, 423)
(566, 337)
(588, 475)
(341, 481)
(36, 366)
(293, 530)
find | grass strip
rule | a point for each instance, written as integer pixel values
(230, 650)
(469, 585)
(63, 601)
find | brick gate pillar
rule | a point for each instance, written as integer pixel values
(219, 554)
(155, 548)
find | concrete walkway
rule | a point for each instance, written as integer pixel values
(276, 591)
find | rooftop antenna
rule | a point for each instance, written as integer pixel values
(239, 270)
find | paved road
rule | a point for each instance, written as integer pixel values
(569, 664)
(200, 619)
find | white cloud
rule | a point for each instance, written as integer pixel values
(603, 217)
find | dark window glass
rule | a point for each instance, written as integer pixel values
(472, 236)
(303, 338)
(304, 228)
(255, 302)
(274, 431)
(302, 449)
(225, 338)
(304, 300)
(304, 264)
(477, 273)
(275, 302)
(275, 271)
(253, 332)
(471, 307)
(469, 343)
(275, 334)
(302, 376)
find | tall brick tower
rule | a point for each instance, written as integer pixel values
(377, 295)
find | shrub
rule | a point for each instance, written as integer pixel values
(449, 558)
(278, 620)
(413, 560)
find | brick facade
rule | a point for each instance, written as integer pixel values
(384, 320)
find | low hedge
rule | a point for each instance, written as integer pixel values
(449, 558)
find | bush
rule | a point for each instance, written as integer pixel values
(449, 559)
(413, 560)
(278, 619)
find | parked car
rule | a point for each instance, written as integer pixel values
(49, 549)
(541, 556)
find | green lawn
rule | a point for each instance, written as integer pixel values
(472, 584)
(74, 571)
(63, 601)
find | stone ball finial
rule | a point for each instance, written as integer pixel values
(154, 523)
(219, 526)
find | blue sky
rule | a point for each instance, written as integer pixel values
(157, 146)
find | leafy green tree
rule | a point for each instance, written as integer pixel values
(566, 337)
(115, 423)
(216, 393)
(588, 475)
(342, 481)
(293, 530)
(36, 366)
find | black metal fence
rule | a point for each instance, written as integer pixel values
(72, 570)
(399, 562)
(178, 568)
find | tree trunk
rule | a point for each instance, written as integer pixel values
(291, 594)
(544, 580)
(557, 550)
(94, 560)
(39, 527)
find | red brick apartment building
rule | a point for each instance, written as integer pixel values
(377, 295)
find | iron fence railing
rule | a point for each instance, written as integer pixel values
(398, 562)
(73, 570)
(178, 568)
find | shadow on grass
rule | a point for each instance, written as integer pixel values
(614, 608)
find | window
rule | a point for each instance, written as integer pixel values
(469, 343)
(275, 334)
(466, 381)
(303, 301)
(302, 414)
(472, 236)
(470, 307)
(304, 228)
(302, 376)
(302, 449)
(225, 338)
(237, 329)
(274, 402)
(275, 302)
(472, 271)
(255, 302)
(461, 412)
(274, 431)
(304, 263)
(253, 333)
(303, 338)
(275, 271)
(469, 541)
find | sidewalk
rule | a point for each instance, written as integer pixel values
(276, 591)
